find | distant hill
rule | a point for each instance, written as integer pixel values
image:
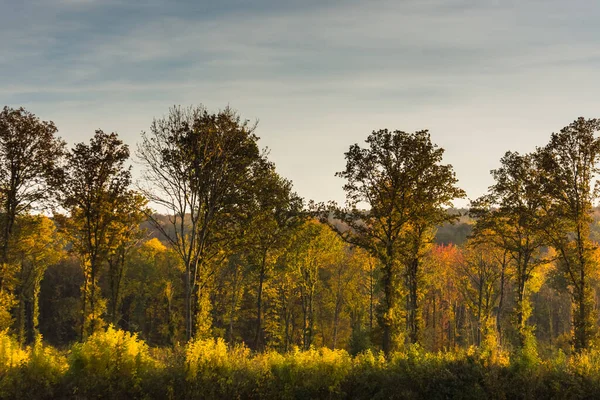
(448, 233)
(455, 233)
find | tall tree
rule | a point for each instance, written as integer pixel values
(400, 179)
(508, 217)
(95, 190)
(271, 214)
(197, 166)
(30, 152)
(570, 163)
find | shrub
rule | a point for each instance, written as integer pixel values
(11, 354)
(111, 363)
(115, 364)
(310, 374)
(213, 371)
(36, 370)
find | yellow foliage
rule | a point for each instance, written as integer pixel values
(11, 354)
(201, 353)
(154, 246)
(110, 349)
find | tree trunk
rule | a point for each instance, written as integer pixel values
(188, 302)
(117, 268)
(233, 303)
(434, 312)
(8, 230)
(258, 342)
(371, 299)
(35, 309)
(83, 309)
(479, 310)
(92, 326)
(310, 319)
(412, 306)
(21, 318)
(582, 316)
(336, 315)
(501, 301)
(389, 303)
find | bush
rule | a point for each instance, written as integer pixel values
(115, 364)
(36, 370)
(310, 374)
(111, 364)
(213, 371)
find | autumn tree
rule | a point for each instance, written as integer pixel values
(508, 217)
(271, 214)
(443, 298)
(30, 153)
(314, 248)
(401, 182)
(478, 277)
(284, 327)
(151, 293)
(569, 163)
(38, 246)
(197, 166)
(124, 233)
(95, 190)
(349, 291)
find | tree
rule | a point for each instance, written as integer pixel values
(569, 163)
(95, 190)
(348, 291)
(401, 180)
(197, 166)
(313, 248)
(479, 278)
(124, 234)
(442, 295)
(272, 213)
(30, 153)
(508, 217)
(152, 293)
(39, 245)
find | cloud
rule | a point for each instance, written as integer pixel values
(331, 71)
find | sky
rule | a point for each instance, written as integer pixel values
(483, 76)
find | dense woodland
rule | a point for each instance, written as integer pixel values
(210, 262)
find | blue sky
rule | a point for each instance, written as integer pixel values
(484, 76)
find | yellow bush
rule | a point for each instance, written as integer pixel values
(110, 362)
(11, 354)
(202, 354)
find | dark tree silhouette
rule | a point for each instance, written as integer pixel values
(30, 153)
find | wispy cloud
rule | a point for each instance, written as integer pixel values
(333, 70)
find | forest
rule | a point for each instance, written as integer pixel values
(208, 276)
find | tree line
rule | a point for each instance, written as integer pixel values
(234, 253)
